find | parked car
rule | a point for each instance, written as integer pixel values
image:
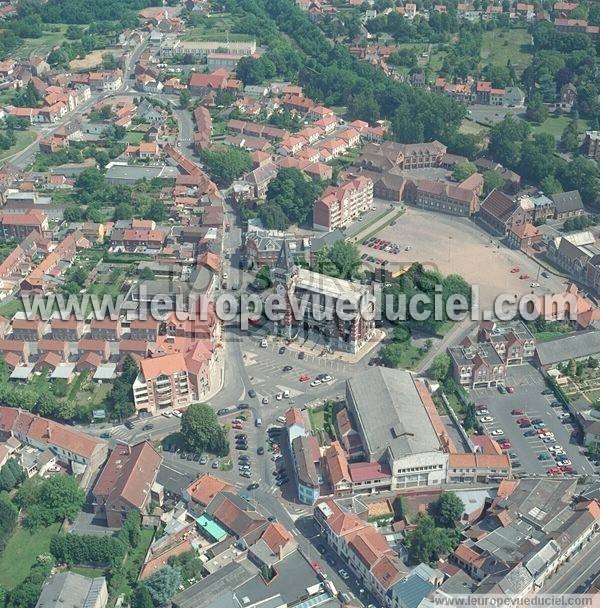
(517, 412)
(288, 368)
(260, 450)
(510, 389)
(486, 419)
(304, 378)
(281, 350)
(497, 432)
(343, 574)
(252, 393)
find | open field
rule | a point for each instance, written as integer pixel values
(469, 127)
(500, 46)
(457, 245)
(555, 125)
(24, 138)
(21, 552)
(215, 27)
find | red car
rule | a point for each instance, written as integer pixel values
(541, 431)
(505, 445)
(237, 426)
(510, 389)
(523, 421)
(554, 471)
(304, 378)
(515, 270)
(517, 413)
(524, 277)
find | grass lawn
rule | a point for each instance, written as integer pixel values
(470, 127)
(555, 125)
(317, 419)
(411, 356)
(216, 27)
(8, 309)
(24, 138)
(21, 552)
(135, 558)
(134, 137)
(544, 336)
(88, 571)
(501, 45)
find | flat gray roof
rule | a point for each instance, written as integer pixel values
(574, 346)
(387, 406)
(21, 372)
(105, 372)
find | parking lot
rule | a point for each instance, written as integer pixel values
(527, 447)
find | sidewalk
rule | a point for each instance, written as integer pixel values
(319, 350)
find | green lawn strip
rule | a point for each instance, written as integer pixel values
(21, 552)
(24, 138)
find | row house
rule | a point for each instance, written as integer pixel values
(27, 330)
(362, 547)
(340, 205)
(201, 83)
(257, 130)
(145, 330)
(132, 239)
(70, 446)
(105, 329)
(69, 330)
(109, 80)
(576, 26)
(56, 262)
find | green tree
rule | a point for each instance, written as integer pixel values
(550, 185)
(226, 165)
(536, 110)
(463, 170)
(392, 354)
(141, 597)
(201, 431)
(440, 366)
(427, 542)
(184, 99)
(448, 510)
(492, 180)
(569, 140)
(163, 584)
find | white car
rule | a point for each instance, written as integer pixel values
(177, 414)
(167, 414)
(555, 447)
(534, 284)
(497, 432)
(315, 383)
(326, 378)
(263, 343)
(483, 412)
(563, 462)
(286, 394)
(279, 396)
(486, 419)
(558, 453)
(547, 436)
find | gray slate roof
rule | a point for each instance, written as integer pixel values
(573, 346)
(387, 406)
(567, 201)
(70, 590)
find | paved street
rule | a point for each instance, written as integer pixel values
(529, 384)
(578, 571)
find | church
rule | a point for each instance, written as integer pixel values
(316, 296)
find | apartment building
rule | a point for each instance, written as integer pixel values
(162, 383)
(477, 364)
(341, 205)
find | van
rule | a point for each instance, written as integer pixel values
(281, 419)
(258, 422)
